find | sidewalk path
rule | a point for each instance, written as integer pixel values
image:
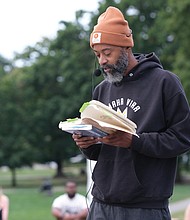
(179, 206)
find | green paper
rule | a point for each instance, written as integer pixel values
(72, 119)
(84, 106)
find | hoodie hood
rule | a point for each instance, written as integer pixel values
(146, 62)
(149, 61)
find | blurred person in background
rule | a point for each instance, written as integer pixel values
(71, 205)
(46, 187)
(4, 205)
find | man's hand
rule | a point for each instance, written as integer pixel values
(73, 217)
(68, 217)
(84, 142)
(118, 138)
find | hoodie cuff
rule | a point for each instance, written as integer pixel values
(137, 143)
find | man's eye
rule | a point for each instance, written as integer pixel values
(96, 54)
(107, 54)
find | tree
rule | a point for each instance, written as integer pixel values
(16, 150)
(5, 65)
(50, 86)
(60, 79)
(177, 26)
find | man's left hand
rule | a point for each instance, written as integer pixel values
(118, 138)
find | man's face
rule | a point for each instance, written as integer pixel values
(71, 189)
(113, 60)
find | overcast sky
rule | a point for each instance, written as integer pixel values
(25, 22)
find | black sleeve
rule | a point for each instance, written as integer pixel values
(91, 152)
(175, 140)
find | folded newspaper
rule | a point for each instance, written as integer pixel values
(97, 120)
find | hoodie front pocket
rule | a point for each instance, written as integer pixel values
(115, 180)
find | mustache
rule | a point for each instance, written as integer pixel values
(113, 67)
(107, 66)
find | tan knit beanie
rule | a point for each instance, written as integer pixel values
(112, 29)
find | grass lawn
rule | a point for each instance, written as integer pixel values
(180, 192)
(29, 204)
(26, 202)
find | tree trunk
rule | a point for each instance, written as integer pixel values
(13, 180)
(59, 172)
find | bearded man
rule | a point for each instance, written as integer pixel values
(134, 176)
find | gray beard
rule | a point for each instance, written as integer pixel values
(117, 70)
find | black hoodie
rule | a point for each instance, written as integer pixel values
(142, 175)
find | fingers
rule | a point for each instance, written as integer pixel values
(84, 142)
(118, 138)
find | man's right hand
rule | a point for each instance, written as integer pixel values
(84, 142)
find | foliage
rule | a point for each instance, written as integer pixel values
(177, 25)
(16, 149)
(56, 81)
(61, 84)
(5, 66)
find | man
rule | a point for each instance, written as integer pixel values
(71, 205)
(46, 187)
(134, 177)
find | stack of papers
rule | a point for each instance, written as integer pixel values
(97, 120)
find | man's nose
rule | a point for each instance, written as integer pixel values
(102, 60)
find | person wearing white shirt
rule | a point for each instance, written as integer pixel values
(71, 205)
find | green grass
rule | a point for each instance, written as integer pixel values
(178, 216)
(30, 204)
(180, 192)
(26, 202)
